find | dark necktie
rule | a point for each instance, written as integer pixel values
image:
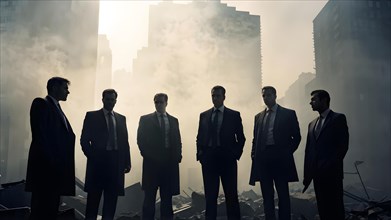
(111, 143)
(163, 127)
(265, 128)
(318, 126)
(215, 128)
(62, 115)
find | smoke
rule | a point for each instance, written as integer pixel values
(190, 51)
(44, 39)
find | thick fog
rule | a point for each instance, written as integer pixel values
(189, 50)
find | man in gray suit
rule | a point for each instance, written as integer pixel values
(326, 147)
(159, 141)
(104, 141)
(276, 138)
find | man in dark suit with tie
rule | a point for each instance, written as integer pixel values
(104, 141)
(159, 141)
(51, 161)
(220, 142)
(326, 147)
(276, 138)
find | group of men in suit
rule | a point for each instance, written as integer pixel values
(220, 141)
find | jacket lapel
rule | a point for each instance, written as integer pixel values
(326, 122)
(59, 114)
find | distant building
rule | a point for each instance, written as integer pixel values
(191, 48)
(40, 39)
(104, 69)
(298, 98)
(352, 56)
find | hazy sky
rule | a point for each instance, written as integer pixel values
(286, 34)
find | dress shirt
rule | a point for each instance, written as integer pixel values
(219, 122)
(322, 119)
(106, 113)
(167, 126)
(269, 131)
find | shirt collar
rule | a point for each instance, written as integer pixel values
(54, 100)
(164, 114)
(106, 111)
(325, 113)
(221, 109)
(273, 109)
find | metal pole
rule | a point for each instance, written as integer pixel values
(365, 189)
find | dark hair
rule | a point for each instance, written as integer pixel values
(218, 88)
(164, 95)
(270, 88)
(56, 81)
(109, 91)
(322, 94)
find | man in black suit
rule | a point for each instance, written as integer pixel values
(276, 138)
(159, 141)
(220, 142)
(51, 161)
(104, 141)
(327, 144)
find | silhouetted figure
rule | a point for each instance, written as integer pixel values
(220, 142)
(159, 141)
(327, 144)
(276, 138)
(104, 141)
(51, 161)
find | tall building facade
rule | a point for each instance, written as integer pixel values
(104, 69)
(41, 39)
(191, 48)
(352, 42)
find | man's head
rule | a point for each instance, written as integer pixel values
(269, 95)
(160, 101)
(320, 100)
(57, 87)
(109, 99)
(218, 96)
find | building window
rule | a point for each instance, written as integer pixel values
(377, 4)
(370, 3)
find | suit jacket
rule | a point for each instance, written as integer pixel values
(231, 133)
(51, 161)
(94, 138)
(324, 154)
(286, 133)
(159, 161)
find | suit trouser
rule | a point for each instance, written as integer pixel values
(329, 198)
(44, 205)
(273, 175)
(107, 184)
(166, 211)
(216, 165)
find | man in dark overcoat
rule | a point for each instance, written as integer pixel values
(159, 141)
(51, 160)
(104, 141)
(276, 138)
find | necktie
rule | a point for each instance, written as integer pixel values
(163, 127)
(265, 128)
(215, 128)
(111, 143)
(318, 126)
(63, 115)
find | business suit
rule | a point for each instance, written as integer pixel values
(160, 162)
(323, 163)
(51, 164)
(220, 161)
(105, 168)
(275, 163)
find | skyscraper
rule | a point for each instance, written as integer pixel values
(352, 56)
